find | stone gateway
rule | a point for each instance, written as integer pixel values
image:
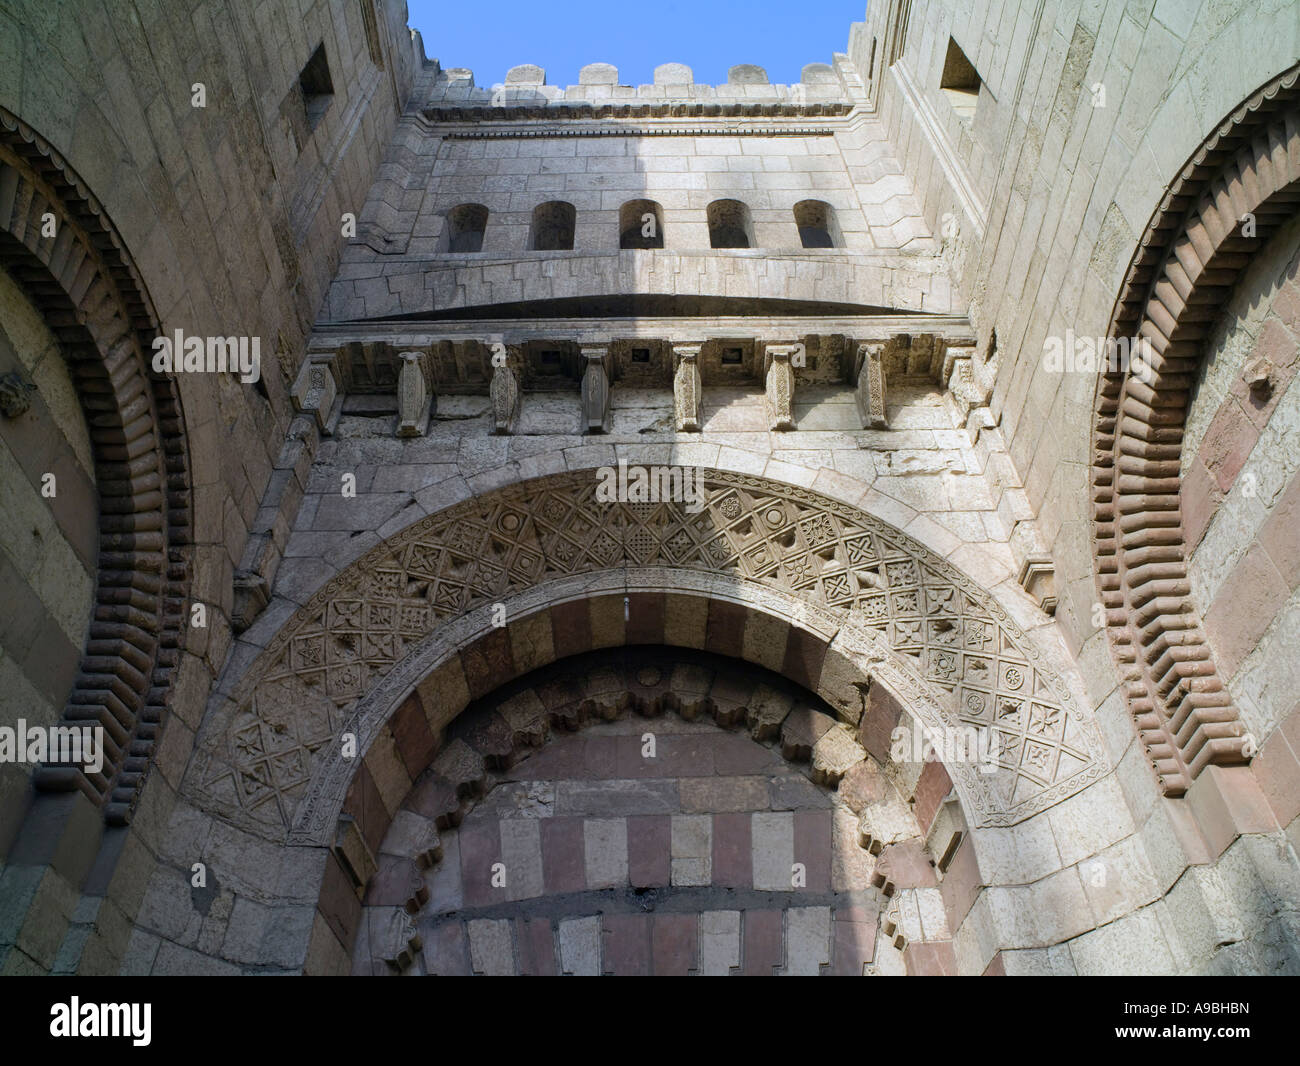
(846, 527)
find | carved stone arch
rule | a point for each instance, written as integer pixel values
(857, 597)
(84, 283)
(693, 703)
(1186, 265)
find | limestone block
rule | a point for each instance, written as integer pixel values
(834, 755)
(316, 389)
(870, 374)
(767, 710)
(251, 597)
(746, 74)
(505, 395)
(354, 853)
(491, 947)
(527, 718)
(851, 866)
(719, 942)
(526, 74)
(606, 852)
(779, 382)
(598, 74)
(888, 959)
(462, 767)
(818, 74)
(580, 947)
(414, 836)
(909, 915)
(687, 390)
(595, 390)
(1037, 577)
(521, 852)
(934, 915)
(947, 829)
(393, 937)
(692, 849)
(414, 397)
(772, 846)
(673, 74)
(807, 940)
(884, 823)
(802, 729)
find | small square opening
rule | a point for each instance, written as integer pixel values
(732, 356)
(640, 355)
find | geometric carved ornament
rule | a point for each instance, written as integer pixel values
(258, 760)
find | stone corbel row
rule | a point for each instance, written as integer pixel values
(317, 393)
(779, 364)
(317, 390)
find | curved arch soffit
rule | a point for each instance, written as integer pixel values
(83, 281)
(882, 603)
(1185, 267)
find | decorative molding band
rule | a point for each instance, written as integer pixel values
(564, 113)
(476, 134)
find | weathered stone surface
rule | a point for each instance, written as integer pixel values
(766, 710)
(884, 823)
(236, 571)
(801, 730)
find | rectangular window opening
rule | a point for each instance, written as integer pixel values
(960, 82)
(317, 86)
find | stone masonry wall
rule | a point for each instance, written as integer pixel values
(48, 547)
(232, 213)
(1049, 194)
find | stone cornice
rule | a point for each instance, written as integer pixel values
(562, 116)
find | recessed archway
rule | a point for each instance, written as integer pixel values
(61, 248)
(1239, 187)
(652, 810)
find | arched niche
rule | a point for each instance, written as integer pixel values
(58, 244)
(1238, 188)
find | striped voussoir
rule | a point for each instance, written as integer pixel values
(1185, 267)
(93, 299)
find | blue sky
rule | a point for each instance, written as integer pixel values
(491, 36)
